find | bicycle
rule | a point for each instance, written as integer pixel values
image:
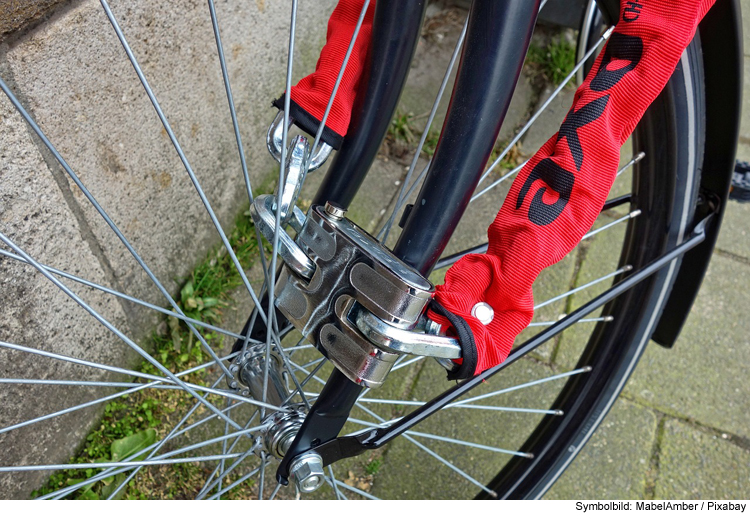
(699, 157)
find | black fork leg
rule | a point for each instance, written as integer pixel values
(395, 34)
(497, 39)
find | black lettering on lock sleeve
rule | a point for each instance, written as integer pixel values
(556, 178)
(575, 120)
(619, 47)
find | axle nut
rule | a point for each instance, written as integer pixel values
(308, 472)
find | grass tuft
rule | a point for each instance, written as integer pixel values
(554, 61)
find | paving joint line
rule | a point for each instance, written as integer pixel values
(582, 250)
(652, 473)
(732, 256)
(733, 438)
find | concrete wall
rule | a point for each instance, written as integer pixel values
(71, 73)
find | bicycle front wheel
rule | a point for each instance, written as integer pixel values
(154, 415)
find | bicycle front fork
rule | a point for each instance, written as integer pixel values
(359, 304)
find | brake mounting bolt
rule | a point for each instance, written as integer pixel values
(334, 211)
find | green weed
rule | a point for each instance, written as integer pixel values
(373, 466)
(554, 62)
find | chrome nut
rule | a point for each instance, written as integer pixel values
(307, 470)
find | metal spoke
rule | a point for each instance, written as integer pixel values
(275, 491)
(332, 481)
(544, 106)
(430, 452)
(383, 235)
(100, 465)
(356, 490)
(522, 386)
(452, 440)
(462, 406)
(625, 218)
(498, 181)
(174, 433)
(482, 248)
(304, 382)
(313, 362)
(154, 384)
(624, 269)
(606, 319)
(211, 480)
(235, 125)
(261, 484)
(127, 297)
(234, 484)
(76, 383)
(181, 154)
(407, 363)
(340, 76)
(280, 187)
(450, 465)
(638, 157)
(214, 479)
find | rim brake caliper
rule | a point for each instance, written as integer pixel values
(350, 297)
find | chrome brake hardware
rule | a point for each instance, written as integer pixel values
(247, 374)
(361, 306)
(274, 139)
(352, 298)
(262, 212)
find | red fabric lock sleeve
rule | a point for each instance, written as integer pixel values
(560, 192)
(310, 95)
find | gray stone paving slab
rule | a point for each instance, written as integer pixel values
(745, 124)
(698, 465)
(602, 253)
(426, 477)
(734, 236)
(614, 463)
(745, 7)
(701, 376)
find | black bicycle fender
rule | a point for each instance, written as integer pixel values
(721, 38)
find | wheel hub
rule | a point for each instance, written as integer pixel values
(282, 428)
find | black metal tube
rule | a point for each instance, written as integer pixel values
(497, 39)
(324, 421)
(395, 33)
